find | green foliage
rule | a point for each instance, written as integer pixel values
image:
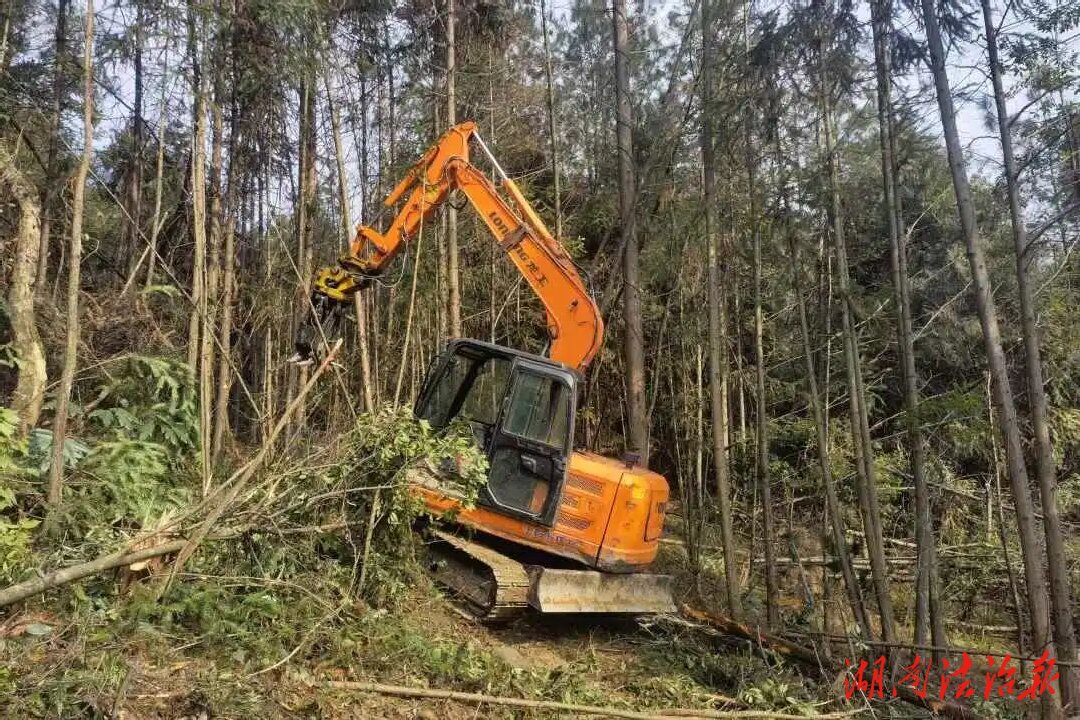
(124, 470)
(126, 467)
(1065, 433)
(1069, 493)
(774, 694)
(762, 684)
(128, 481)
(960, 424)
(166, 291)
(382, 448)
(151, 399)
(16, 530)
(39, 449)
(15, 538)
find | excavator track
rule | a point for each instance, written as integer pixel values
(486, 585)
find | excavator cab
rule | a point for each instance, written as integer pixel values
(521, 408)
(548, 515)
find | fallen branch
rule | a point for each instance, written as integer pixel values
(478, 698)
(239, 479)
(63, 576)
(808, 656)
(774, 643)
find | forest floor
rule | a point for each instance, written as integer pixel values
(242, 647)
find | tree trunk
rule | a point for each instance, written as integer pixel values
(1038, 601)
(552, 123)
(52, 180)
(761, 457)
(196, 323)
(1057, 562)
(213, 271)
(926, 591)
(442, 256)
(132, 225)
(237, 170)
(29, 391)
(717, 319)
(761, 454)
(866, 482)
(638, 439)
(832, 502)
(305, 226)
(6, 33)
(344, 213)
(71, 346)
(346, 238)
(452, 274)
(159, 177)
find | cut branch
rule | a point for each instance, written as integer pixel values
(240, 478)
(63, 576)
(479, 698)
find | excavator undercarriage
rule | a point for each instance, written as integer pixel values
(494, 586)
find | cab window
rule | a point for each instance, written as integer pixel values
(539, 410)
(470, 388)
(485, 396)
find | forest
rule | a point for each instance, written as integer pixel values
(833, 248)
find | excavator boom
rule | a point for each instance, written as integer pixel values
(573, 320)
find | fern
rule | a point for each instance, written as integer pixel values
(131, 482)
(39, 450)
(16, 531)
(151, 399)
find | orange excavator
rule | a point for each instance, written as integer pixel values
(555, 529)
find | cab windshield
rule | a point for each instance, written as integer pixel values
(471, 388)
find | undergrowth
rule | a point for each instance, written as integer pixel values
(320, 582)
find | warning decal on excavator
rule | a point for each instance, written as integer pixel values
(542, 533)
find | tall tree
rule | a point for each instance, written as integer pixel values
(634, 342)
(761, 456)
(29, 393)
(305, 216)
(553, 135)
(71, 345)
(224, 375)
(199, 304)
(1057, 562)
(159, 180)
(453, 279)
(208, 336)
(53, 169)
(359, 301)
(717, 319)
(866, 480)
(133, 225)
(828, 479)
(927, 612)
(761, 420)
(1008, 425)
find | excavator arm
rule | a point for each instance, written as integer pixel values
(573, 320)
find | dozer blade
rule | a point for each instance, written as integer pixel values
(588, 591)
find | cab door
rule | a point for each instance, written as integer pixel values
(530, 447)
